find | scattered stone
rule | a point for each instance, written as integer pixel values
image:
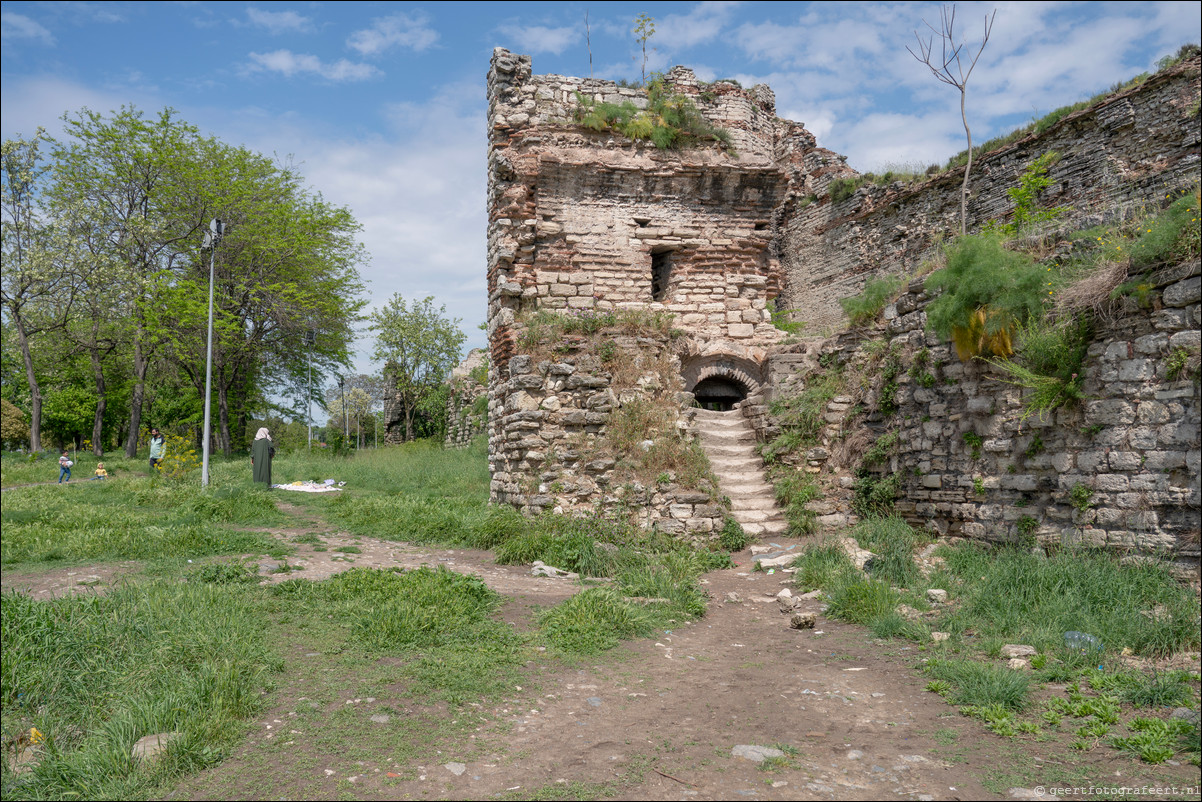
(940, 637)
(1027, 793)
(784, 593)
(381, 718)
(734, 598)
(813, 594)
(755, 753)
(760, 550)
(151, 746)
(1185, 714)
(542, 569)
(1019, 664)
(855, 754)
(860, 557)
(26, 758)
(89, 581)
(909, 613)
(803, 620)
(788, 605)
(1018, 650)
(936, 596)
(455, 768)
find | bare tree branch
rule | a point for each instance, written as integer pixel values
(950, 55)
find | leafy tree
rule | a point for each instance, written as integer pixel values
(130, 180)
(419, 345)
(14, 429)
(957, 76)
(288, 264)
(69, 413)
(31, 284)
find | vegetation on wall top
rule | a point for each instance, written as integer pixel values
(670, 120)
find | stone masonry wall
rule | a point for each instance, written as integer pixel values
(1124, 152)
(465, 421)
(971, 464)
(580, 222)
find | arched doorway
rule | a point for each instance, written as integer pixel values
(719, 381)
(719, 393)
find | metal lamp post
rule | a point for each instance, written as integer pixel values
(346, 421)
(212, 238)
(310, 339)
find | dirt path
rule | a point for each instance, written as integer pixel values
(655, 719)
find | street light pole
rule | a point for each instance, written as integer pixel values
(212, 237)
(310, 338)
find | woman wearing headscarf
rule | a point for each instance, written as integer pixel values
(261, 453)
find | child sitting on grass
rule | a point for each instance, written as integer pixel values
(101, 473)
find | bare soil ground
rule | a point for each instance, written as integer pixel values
(653, 719)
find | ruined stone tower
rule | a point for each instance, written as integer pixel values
(584, 224)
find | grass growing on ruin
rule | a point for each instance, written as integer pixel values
(670, 120)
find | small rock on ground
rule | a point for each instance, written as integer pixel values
(755, 753)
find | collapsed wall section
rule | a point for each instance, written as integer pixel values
(1125, 152)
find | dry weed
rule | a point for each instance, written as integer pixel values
(1092, 292)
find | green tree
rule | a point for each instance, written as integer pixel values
(131, 182)
(418, 345)
(69, 413)
(31, 284)
(14, 429)
(288, 264)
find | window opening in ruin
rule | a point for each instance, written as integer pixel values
(661, 272)
(719, 393)
(761, 225)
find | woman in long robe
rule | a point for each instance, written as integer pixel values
(261, 453)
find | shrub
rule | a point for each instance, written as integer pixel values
(985, 291)
(1031, 184)
(874, 496)
(670, 120)
(862, 309)
(732, 537)
(843, 188)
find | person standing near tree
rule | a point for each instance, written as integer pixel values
(158, 449)
(261, 453)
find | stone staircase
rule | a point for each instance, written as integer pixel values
(730, 444)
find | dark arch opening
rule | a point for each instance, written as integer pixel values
(719, 393)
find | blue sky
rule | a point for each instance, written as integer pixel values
(382, 104)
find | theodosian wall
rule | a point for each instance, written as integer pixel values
(1127, 151)
(584, 223)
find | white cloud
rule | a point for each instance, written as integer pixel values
(404, 30)
(535, 39)
(28, 103)
(19, 26)
(701, 25)
(278, 22)
(288, 64)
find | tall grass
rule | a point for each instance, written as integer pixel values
(120, 519)
(1014, 595)
(96, 673)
